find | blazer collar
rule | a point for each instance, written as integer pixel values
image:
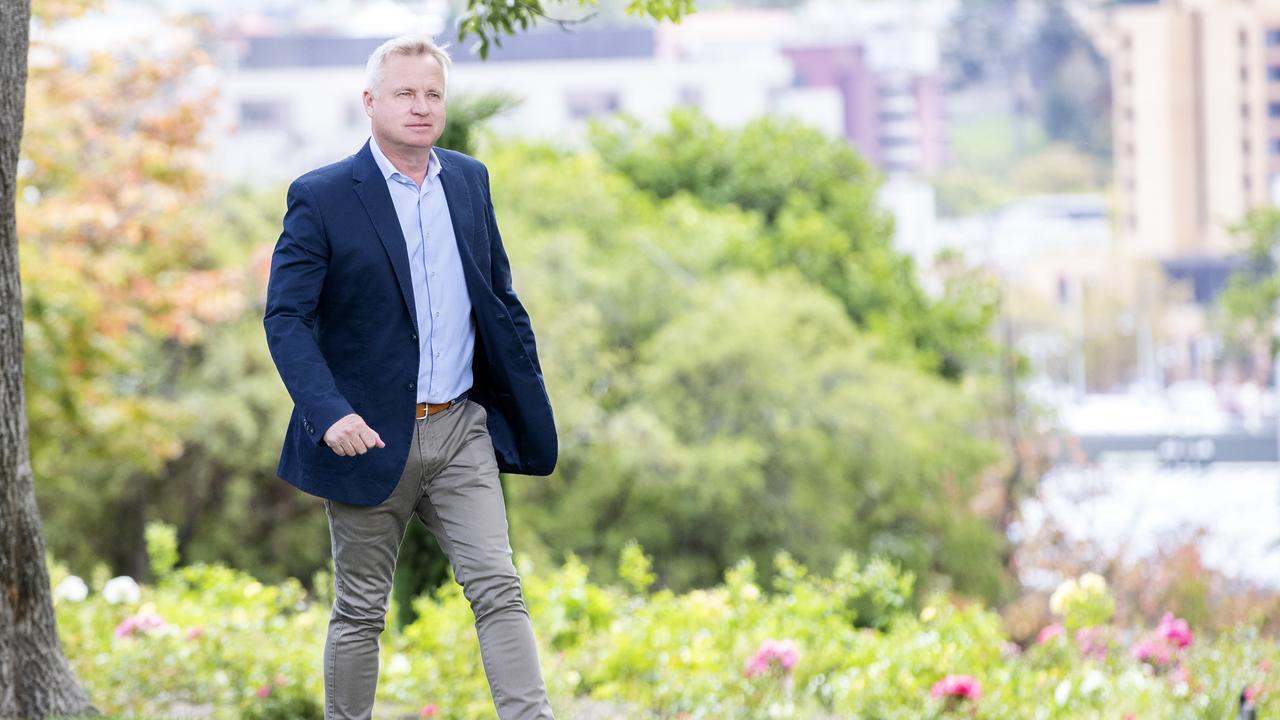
(365, 167)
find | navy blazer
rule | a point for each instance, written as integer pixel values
(342, 330)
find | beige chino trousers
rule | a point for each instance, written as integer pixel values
(450, 482)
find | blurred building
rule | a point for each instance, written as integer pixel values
(1196, 133)
(291, 99)
(883, 58)
(1197, 120)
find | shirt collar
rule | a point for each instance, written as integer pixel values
(389, 171)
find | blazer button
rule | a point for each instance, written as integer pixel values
(415, 336)
(410, 386)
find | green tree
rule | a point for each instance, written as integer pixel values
(815, 198)
(1251, 302)
(35, 678)
(490, 20)
(711, 410)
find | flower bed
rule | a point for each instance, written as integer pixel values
(213, 641)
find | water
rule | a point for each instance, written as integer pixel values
(1136, 506)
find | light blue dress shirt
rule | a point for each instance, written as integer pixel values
(446, 330)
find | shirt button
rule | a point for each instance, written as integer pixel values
(410, 386)
(437, 354)
(437, 313)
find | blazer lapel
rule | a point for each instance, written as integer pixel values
(371, 188)
(458, 197)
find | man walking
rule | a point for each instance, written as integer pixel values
(414, 374)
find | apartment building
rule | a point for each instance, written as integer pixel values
(1196, 88)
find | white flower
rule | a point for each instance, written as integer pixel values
(1062, 693)
(1093, 582)
(1093, 680)
(1057, 602)
(121, 589)
(399, 665)
(71, 588)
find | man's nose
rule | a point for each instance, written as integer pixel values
(421, 106)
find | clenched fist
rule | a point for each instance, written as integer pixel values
(351, 436)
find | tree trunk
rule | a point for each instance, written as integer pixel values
(35, 678)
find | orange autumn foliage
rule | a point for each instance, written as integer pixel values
(118, 270)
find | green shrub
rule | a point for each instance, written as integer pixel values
(845, 646)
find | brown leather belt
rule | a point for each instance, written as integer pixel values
(425, 409)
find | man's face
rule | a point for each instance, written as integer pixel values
(407, 106)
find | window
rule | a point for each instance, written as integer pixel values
(1273, 110)
(589, 104)
(262, 114)
(1273, 73)
(1273, 38)
(691, 96)
(1275, 146)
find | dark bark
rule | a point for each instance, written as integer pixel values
(35, 678)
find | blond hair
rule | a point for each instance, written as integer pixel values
(414, 45)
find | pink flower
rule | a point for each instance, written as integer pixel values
(428, 710)
(1175, 630)
(1180, 674)
(782, 654)
(264, 691)
(1049, 632)
(145, 621)
(1092, 642)
(281, 680)
(194, 633)
(957, 686)
(1153, 651)
(1251, 693)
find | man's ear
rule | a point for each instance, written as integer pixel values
(366, 98)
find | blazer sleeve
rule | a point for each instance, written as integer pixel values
(501, 279)
(298, 267)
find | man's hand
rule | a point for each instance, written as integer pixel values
(351, 436)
